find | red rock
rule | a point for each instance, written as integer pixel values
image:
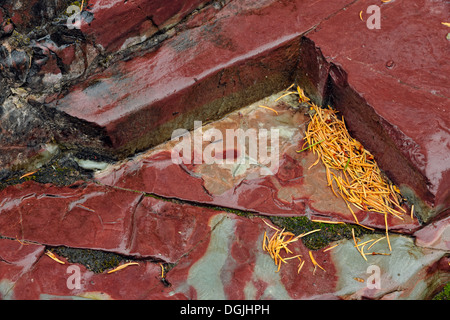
(104, 218)
(435, 235)
(78, 216)
(16, 259)
(157, 179)
(216, 255)
(167, 231)
(236, 267)
(399, 112)
(125, 18)
(49, 280)
(138, 103)
(26, 15)
(294, 190)
(133, 21)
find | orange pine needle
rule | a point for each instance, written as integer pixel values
(269, 109)
(52, 256)
(387, 232)
(314, 262)
(123, 266)
(329, 248)
(28, 174)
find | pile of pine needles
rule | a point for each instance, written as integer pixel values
(351, 170)
(352, 174)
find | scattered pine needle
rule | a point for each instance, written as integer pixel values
(363, 243)
(446, 24)
(23, 243)
(310, 146)
(269, 109)
(123, 266)
(328, 221)
(314, 262)
(280, 241)
(290, 87)
(53, 257)
(366, 227)
(301, 95)
(360, 15)
(378, 253)
(308, 233)
(375, 242)
(387, 233)
(329, 248)
(412, 212)
(300, 265)
(28, 174)
(356, 245)
(351, 172)
(284, 95)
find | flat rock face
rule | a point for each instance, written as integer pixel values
(435, 235)
(137, 103)
(275, 180)
(219, 255)
(193, 211)
(141, 100)
(58, 216)
(406, 89)
(132, 21)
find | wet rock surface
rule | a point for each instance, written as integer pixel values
(88, 182)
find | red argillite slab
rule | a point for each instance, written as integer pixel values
(234, 59)
(435, 235)
(118, 24)
(287, 185)
(103, 218)
(166, 231)
(393, 80)
(81, 216)
(233, 265)
(49, 280)
(222, 258)
(16, 259)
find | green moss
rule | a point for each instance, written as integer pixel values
(237, 212)
(317, 240)
(17, 40)
(60, 172)
(95, 260)
(444, 294)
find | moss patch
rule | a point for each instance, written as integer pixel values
(444, 294)
(95, 260)
(327, 234)
(60, 172)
